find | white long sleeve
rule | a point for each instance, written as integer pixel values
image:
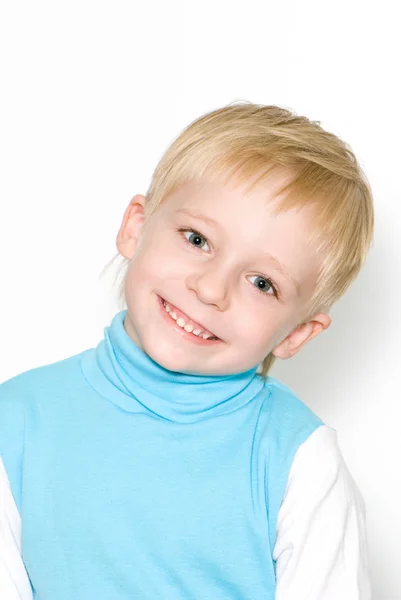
(321, 547)
(14, 582)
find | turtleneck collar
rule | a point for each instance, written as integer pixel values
(125, 374)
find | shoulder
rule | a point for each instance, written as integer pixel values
(285, 422)
(39, 380)
(22, 399)
(284, 401)
(23, 393)
(286, 416)
(27, 401)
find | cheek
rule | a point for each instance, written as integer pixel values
(252, 327)
(259, 329)
(154, 265)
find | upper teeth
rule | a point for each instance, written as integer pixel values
(181, 323)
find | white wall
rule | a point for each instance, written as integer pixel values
(92, 94)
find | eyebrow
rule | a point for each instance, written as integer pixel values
(196, 215)
(275, 261)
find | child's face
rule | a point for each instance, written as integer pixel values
(217, 276)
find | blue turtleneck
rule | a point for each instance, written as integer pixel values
(133, 481)
(137, 383)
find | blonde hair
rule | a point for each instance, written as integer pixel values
(250, 142)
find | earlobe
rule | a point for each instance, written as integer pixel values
(301, 335)
(131, 227)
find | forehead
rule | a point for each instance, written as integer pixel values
(248, 222)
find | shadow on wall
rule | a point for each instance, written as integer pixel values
(353, 343)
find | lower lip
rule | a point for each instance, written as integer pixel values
(185, 334)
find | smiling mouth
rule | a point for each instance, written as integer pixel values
(195, 328)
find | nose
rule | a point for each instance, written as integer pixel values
(211, 286)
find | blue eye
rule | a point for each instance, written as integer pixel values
(267, 285)
(195, 235)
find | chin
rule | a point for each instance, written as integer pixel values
(163, 354)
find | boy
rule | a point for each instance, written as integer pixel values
(166, 462)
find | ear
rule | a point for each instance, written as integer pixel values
(301, 335)
(131, 227)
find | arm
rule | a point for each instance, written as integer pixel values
(14, 582)
(321, 547)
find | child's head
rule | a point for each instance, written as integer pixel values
(255, 223)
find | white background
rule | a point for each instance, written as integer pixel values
(92, 93)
